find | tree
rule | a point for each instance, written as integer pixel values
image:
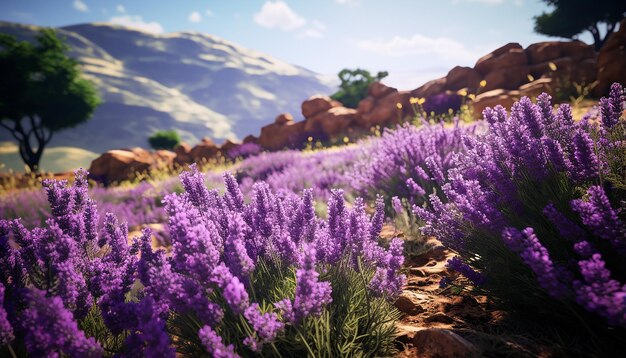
(41, 92)
(571, 17)
(354, 85)
(164, 140)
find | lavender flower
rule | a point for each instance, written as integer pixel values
(456, 264)
(6, 330)
(311, 295)
(214, 345)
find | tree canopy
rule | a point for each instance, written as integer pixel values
(41, 92)
(354, 85)
(572, 17)
(164, 140)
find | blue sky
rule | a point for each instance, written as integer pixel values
(415, 40)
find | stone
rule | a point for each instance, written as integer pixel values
(380, 90)
(462, 77)
(283, 118)
(409, 303)
(385, 110)
(120, 164)
(366, 105)
(551, 50)
(507, 56)
(204, 150)
(536, 87)
(612, 61)
(183, 154)
(430, 88)
(227, 146)
(332, 123)
(278, 136)
(506, 78)
(492, 98)
(250, 139)
(317, 104)
(437, 342)
(439, 317)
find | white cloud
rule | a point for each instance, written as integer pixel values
(208, 12)
(316, 30)
(278, 15)
(195, 17)
(347, 2)
(80, 6)
(137, 22)
(443, 47)
(120, 9)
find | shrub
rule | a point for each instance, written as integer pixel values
(529, 210)
(354, 86)
(267, 277)
(164, 140)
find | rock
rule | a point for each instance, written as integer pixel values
(227, 146)
(366, 105)
(251, 139)
(283, 118)
(430, 88)
(164, 158)
(379, 90)
(385, 110)
(612, 61)
(332, 123)
(409, 303)
(204, 150)
(183, 154)
(536, 87)
(507, 56)
(436, 342)
(551, 50)
(120, 164)
(506, 78)
(439, 317)
(405, 333)
(317, 104)
(493, 98)
(279, 136)
(462, 77)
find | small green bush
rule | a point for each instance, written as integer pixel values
(164, 140)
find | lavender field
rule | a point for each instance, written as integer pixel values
(317, 253)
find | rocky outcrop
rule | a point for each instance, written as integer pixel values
(612, 61)
(123, 164)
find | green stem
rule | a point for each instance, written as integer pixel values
(13, 355)
(305, 343)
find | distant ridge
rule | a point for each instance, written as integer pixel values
(200, 85)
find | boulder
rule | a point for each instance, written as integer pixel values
(332, 123)
(366, 105)
(536, 87)
(204, 150)
(493, 98)
(120, 164)
(507, 56)
(278, 136)
(227, 146)
(462, 77)
(385, 110)
(251, 139)
(506, 78)
(410, 303)
(551, 50)
(430, 88)
(317, 104)
(283, 118)
(379, 90)
(612, 61)
(183, 154)
(436, 342)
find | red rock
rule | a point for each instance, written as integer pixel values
(120, 164)
(183, 154)
(552, 50)
(227, 146)
(493, 98)
(436, 342)
(430, 88)
(331, 123)
(379, 90)
(409, 303)
(283, 118)
(507, 56)
(385, 110)
(204, 150)
(462, 77)
(366, 105)
(317, 104)
(250, 139)
(278, 136)
(507, 78)
(612, 61)
(536, 87)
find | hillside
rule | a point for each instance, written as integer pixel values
(198, 84)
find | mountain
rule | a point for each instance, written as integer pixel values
(197, 84)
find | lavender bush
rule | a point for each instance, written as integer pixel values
(266, 277)
(532, 209)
